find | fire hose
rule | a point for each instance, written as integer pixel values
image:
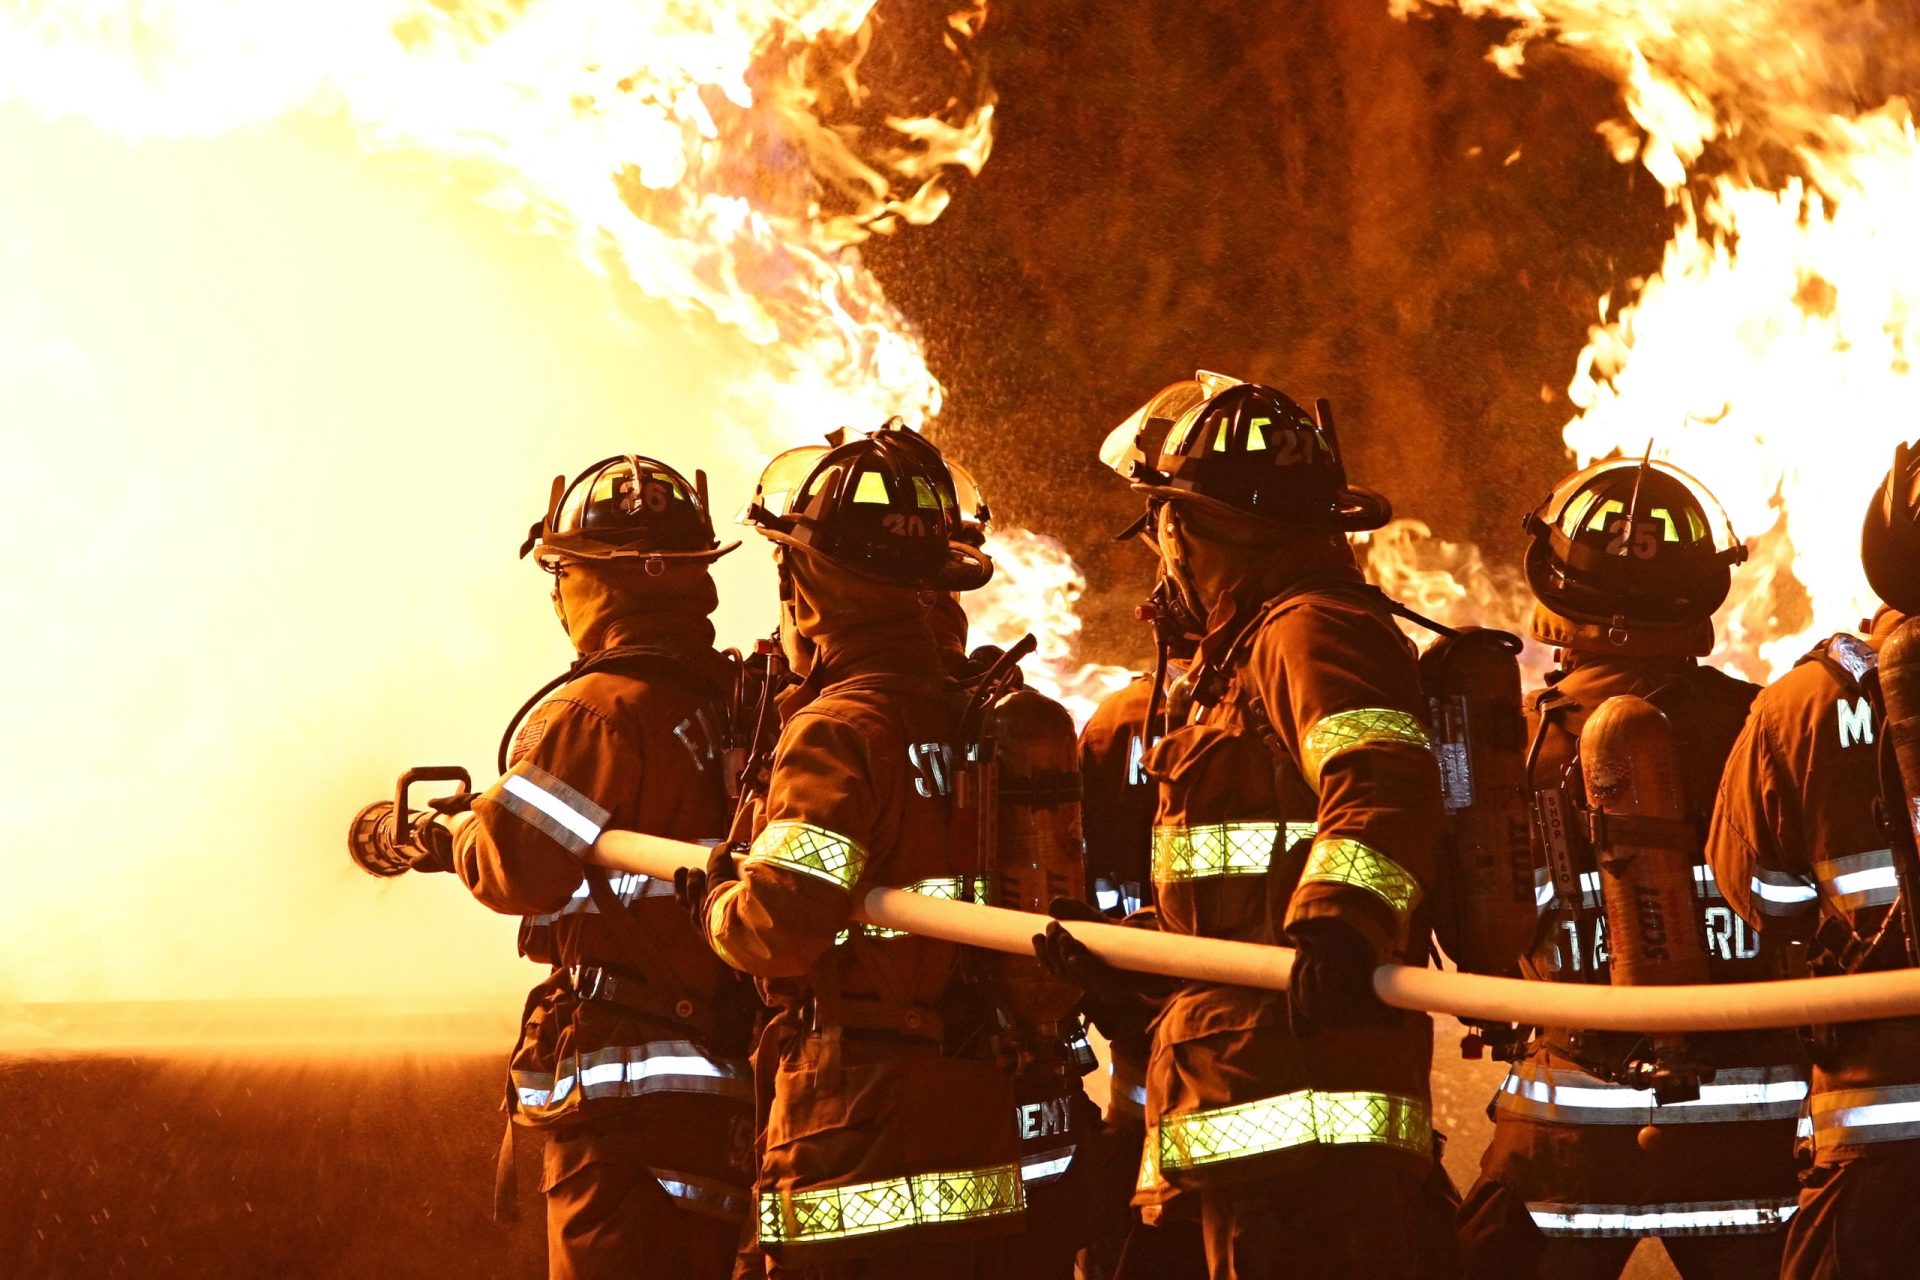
(1734, 1006)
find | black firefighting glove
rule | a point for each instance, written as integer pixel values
(691, 885)
(430, 844)
(1332, 982)
(1118, 1002)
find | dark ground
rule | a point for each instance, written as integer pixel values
(334, 1160)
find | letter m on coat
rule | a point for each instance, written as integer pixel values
(1856, 722)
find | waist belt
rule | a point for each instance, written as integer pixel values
(1687, 1218)
(1854, 1117)
(878, 1018)
(1222, 849)
(632, 1071)
(1559, 1095)
(630, 994)
(892, 1204)
(1301, 1118)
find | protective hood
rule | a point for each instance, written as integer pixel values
(858, 624)
(607, 604)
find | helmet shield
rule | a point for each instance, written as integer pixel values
(1626, 538)
(627, 506)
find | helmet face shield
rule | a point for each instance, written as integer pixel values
(781, 479)
(1137, 442)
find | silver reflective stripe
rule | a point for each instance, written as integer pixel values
(1704, 883)
(1047, 1166)
(1782, 894)
(1737, 1095)
(1851, 1117)
(1546, 894)
(1689, 1218)
(1859, 880)
(705, 1194)
(551, 806)
(632, 1071)
(627, 888)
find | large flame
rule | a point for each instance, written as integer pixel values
(1770, 353)
(281, 395)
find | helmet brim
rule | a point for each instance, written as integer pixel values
(964, 569)
(1355, 509)
(605, 553)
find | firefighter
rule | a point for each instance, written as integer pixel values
(1120, 799)
(1798, 846)
(1065, 1161)
(631, 1052)
(887, 1146)
(1298, 803)
(1628, 559)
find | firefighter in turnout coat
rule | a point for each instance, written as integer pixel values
(1298, 804)
(887, 1147)
(1799, 847)
(632, 1052)
(1628, 561)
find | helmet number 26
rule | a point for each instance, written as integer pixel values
(1645, 539)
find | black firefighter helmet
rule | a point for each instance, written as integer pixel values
(625, 507)
(1890, 535)
(882, 506)
(1631, 539)
(1244, 449)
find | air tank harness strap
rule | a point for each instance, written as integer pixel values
(1605, 829)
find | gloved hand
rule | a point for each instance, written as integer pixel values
(1118, 1002)
(430, 843)
(1332, 982)
(691, 885)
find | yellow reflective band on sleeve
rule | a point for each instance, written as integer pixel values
(1295, 1119)
(1363, 867)
(1345, 730)
(894, 1204)
(810, 850)
(1222, 849)
(946, 888)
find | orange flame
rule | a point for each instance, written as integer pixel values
(1770, 355)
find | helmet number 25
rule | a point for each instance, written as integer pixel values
(1645, 538)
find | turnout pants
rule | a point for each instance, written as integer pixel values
(1349, 1214)
(608, 1217)
(1856, 1219)
(1499, 1241)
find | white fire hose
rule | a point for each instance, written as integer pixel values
(1733, 1006)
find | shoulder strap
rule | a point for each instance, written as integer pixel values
(1850, 660)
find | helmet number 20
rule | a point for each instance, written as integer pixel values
(1645, 535)
(902, 525)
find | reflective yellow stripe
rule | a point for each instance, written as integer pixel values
(1363, 867)
(917, 1200)
(946, 888)
(810, 850)
(1345, 730)
(1222, 849)
(1291, 1120)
